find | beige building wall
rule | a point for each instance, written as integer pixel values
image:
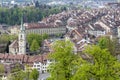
(14, 31)
(13, 50)
(50, 31)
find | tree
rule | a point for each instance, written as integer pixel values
(34, 74)
(5, 38)
(31, 37)
(17, 67)
(65, 61)
(17, 76)
(12, 16)
(24, 75)
(2, 69)
(45, 36)
(39, 38)
(34, 46)
(101, 66)
(107, 43)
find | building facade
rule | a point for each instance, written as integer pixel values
(42, 67)
(22, 40)
(14, 30)
(19, 46)
(13, 48)
(41, 28)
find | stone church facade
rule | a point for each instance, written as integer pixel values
(19, 46)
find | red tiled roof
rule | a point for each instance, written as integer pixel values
(6, 56)
(25, 58)
(39, 25)
(45, 56)
(38, 58)
(11, 56)
(1, 56)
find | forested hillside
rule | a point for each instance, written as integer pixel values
(12, 16)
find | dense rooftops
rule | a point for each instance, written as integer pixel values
(24, 58)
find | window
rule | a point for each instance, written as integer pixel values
(38, 65)
(34, 65)
(21, 36)
(36, 62)
(38, 68)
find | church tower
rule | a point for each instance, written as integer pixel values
(22, 39)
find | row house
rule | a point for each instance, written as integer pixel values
(96, 30)
(39, 62)
(106, 28)
(80, 45)
(46, 46)
(79, 38)
(42, 28)
(85, 18)
(10, 58)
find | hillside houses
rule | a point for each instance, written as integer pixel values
(96, 30)
(79, 24)
(81, 27)
(39, 62)
(103, 21)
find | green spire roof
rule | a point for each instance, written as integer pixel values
(22, 28)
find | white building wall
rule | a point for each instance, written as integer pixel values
(13, 50)
(38, 66)
(118, 29)
(42, 67)
(22, 43)
(97, 33)
(50, 31)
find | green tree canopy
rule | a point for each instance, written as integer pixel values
(17, 67)
(107, 43)
(35, 40)
(2, 69)
(12, 16)
(65, 61)
(5, 38)
(39, 38)
(45, 36)
(17, 76)
(31, 37)
(34, 46)
(102, 66)
(99, 65)
(34, 74)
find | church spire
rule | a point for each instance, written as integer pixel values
(22, 39)
(22, 28)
